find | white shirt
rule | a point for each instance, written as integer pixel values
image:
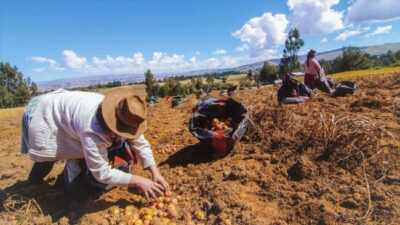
(64, 126)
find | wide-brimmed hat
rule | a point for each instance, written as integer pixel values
(124, 113)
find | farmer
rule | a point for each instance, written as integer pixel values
(314, 74)
(312, 70)
(74, 125)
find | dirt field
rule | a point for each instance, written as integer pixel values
(327, 161)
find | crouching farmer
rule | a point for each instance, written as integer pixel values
(80, 127)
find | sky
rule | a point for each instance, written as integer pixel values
(50, 40)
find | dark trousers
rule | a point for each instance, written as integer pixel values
(39, 171)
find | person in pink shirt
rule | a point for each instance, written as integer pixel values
(312, 70)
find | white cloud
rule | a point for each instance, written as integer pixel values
(346, 34)
(219, 52)
(38, 70)
(380, 30)
(197, 53)
(160, 62)
(73, 61)
(41, 59)
(352, 31)
(263, 33)
(373, 10)
(157, 57)
(324, 40)
(315, 17)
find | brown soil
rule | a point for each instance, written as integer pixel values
(327, 161)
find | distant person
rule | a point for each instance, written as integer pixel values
(314, 76)
(74, 125)
(311, 69)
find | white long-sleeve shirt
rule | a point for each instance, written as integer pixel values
(64, 126)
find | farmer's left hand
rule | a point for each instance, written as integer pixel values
(161, 180)
(158, 178)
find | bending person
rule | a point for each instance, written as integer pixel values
(73, 125)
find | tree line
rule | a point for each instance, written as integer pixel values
(15, 90)
(172, 86)
(353, 58)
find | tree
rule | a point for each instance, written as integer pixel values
(327, 65)
(150, 83)
(210, 80)
(397, 54)
(290, 60)
(164, 91)
(199, 83)
(391, 57)
(268, 73)
(250, 75)
(15, 90)
(34, 89)
(351, 58)
(224, 79)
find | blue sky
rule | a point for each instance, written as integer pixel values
(49, 40)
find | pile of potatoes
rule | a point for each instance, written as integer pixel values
(217, 124)
(162, 211)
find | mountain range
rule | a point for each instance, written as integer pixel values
(90, 80)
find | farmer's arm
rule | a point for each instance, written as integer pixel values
(143, 151)
(96, 158)
(95, 151)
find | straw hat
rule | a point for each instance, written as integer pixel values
(124, 113)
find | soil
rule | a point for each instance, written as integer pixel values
(326, 161)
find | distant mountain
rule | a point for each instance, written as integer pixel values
(86, 81)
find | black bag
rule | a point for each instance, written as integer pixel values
(292, 88)
(220, 142)
(344, 88)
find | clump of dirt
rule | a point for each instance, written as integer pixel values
(302, 169)
(368, 103)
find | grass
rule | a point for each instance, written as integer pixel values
(11, 113)
(139, 89)
(235, 79)
(369, 72)
(360, 73)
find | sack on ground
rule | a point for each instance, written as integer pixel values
(344, 88)
(293, 91)
(221, 141)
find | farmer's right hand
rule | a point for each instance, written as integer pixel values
(146, 187)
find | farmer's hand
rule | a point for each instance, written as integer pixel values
(146, 187)
(158, 178)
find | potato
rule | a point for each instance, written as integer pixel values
(115, 211)
(200, 215)
(190, 223)
(164, 220)
(227, 222)
(172, 214)
(138, 222)
(168, 193)
(148, 217)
